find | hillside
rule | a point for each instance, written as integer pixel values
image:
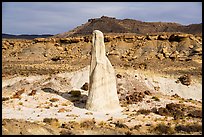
(113, 25)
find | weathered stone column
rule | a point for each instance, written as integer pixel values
(102, 90)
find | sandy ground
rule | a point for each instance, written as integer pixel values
(51, 98)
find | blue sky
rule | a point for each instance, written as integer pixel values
(58, 17)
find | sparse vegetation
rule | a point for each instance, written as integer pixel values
(155, 98)
(54, 99)
(88, 123)
(51, 120)
(102, 124)
(143, 111)
(120, 125)
(134, 97)
(195, 114)
(20, 103)
(66, 132)
(164, 129)
(5, 98)
(89, 113)
(189, 128)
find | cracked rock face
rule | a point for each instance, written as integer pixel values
(102, 92)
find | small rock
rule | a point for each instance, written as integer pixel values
(60, 48)
(185, 79)
(147, 92)
(5, 98)
(18, 93)
(119, 76)
(148, 101)
(57, 44)
(160, 56)
(89, 113)
(174, 55)
(148, 124)
(56, 58)
(162, 37)
(75, 93)
(198, 50)
(63, 110)
(54, 99)
(175, 96)
(157, 88)
(33, 92)
(143, 66)
(191, 46)
(112, 125)
(85, 86)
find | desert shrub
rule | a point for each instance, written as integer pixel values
(164, 129)
(162, 111)
(88, 124)
(155, 98)
(195, 114)
(144, 111)
(189, 128)
(5, 98)
(134, 97)
(20, 103)
(50, 120)
(120, 125)
(66, 132)
(54, 99)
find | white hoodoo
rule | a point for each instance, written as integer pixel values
(102, 80)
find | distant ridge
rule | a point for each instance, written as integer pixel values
(24, 36)
(113, 25)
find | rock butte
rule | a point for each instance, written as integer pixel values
(102, 95)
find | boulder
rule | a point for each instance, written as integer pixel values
(152, 37)
(162, 37)
(185, 79)
(174, 55)
(160, 56)
(75, 93)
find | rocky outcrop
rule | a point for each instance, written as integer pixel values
(124, 50)
(102, 91)
(176, 46)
